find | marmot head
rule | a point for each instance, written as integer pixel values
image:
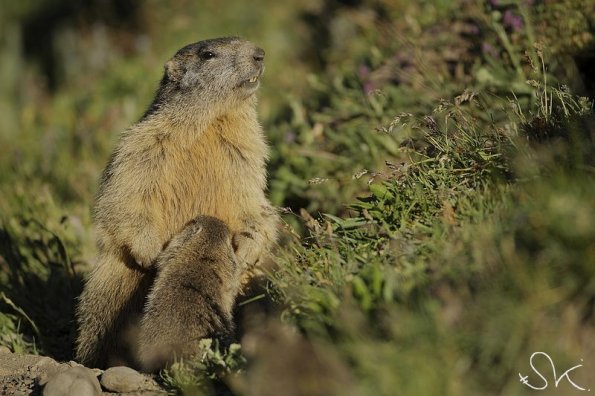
(216, 72)
(201, 236)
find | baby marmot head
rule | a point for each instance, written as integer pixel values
(203, 238)
(214, 72)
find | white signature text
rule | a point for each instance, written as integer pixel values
(566, 374)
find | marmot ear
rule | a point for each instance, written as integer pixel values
(172, 70)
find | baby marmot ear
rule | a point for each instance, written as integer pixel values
(173, 70)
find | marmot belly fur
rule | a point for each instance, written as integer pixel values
(198, 150)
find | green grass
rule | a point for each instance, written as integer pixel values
(433, 161)
(453, 268)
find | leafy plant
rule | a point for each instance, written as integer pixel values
(197, 374)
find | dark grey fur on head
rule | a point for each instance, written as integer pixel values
(211, 68)
(205, 44)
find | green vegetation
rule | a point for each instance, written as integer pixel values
(434, 162)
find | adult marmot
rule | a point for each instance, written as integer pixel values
(193, 295)
(198, 150)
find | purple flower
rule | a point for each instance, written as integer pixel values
(474, 30)
(363, 71)
(512, 21)
(489, 49)
(368, 87)
(289, 137)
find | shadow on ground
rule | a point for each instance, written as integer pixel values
(40, 286)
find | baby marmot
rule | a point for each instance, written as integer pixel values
(193, 295)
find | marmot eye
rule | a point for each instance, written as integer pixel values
(207, 55)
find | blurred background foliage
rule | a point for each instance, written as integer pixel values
(433, 159)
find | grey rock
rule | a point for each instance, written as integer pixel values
(4, 349)
(73, 381)
(126, 380)
(27, 375)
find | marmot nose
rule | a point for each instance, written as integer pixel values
(258, 55)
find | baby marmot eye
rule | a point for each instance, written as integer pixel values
(206, 55)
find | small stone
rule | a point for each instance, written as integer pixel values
(4, 349)
(73, 381)
(124, 379)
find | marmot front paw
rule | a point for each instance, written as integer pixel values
(246, 248)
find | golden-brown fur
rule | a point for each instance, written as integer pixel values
(193, 295)
(199, 149)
